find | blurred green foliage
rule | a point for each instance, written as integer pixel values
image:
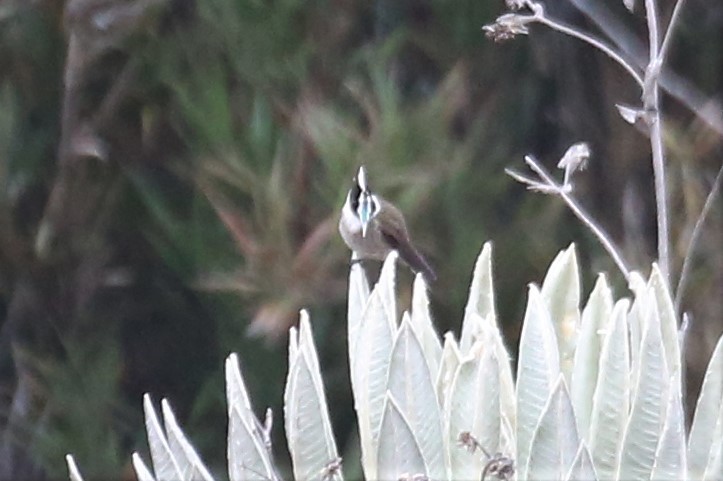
(171, 172)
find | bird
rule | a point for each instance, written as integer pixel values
(372, 227)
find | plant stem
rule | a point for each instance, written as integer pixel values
(581, 214)
(685, 270)
(651, 100)
(599, 44)
(670, 30)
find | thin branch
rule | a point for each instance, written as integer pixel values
(662, 55)
(599, 44)
(628, 44)
(687, 260)
(651, 15)
(651, 100)
(576, 208)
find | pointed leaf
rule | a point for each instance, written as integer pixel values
(369, 378)
(73, 471)
(707, 412)
(611, 400)
(357, 302)
(488, 416)
(481, 299)
(556, 442)
(308, 428)
(637, 316)
(399, 453)
(561, 293)
(451, 357)
(596, 319)
(537, 371)
(459, 413)
(386, 288)
(668, 319)
(187, 459)
(236, 394)
(647, 416)
(714, 468)
(248, 459)
(164, 464)
(473, 406)
(422, 325)
(670, 458)
(410, 383)
(582, 467)
(142, 471)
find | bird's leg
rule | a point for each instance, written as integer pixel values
(355, 259)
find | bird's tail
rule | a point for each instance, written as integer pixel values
(416, 261)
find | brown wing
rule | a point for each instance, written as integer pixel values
(394, 232)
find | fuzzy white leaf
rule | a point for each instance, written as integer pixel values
(248, 459)
(459, 412)
(639, 312)
(556, 441)
(142, 471)
(481, 302)
(474, 406)
(451, 357)
(73, 471)
(369, 378)
(611, 400)
(399, 453)
(538, 368)
(410, 383)
(630, 5)
(487, 426)
(644, 428)
(714, 468)
(236, 394)
(668, 319)
(595, 323)
(308, 428)
(561, 293)
(707, 412)
(582, 467)
(357, 303)
(187, 459)
(422, 325)
(670, 459)
(164, 463)
(508, 444)
(307, 349)
(508, 397)
(386, 288)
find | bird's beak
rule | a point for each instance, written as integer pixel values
(361, 179)
(364, 228)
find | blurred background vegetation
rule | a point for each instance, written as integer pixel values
(171, 173)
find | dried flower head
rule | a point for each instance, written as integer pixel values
(501, 467)
(469, 442)
(575, 158)
(508, 26)
(516, 4)
(332, 469)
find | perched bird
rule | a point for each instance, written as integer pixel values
(373, 227)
